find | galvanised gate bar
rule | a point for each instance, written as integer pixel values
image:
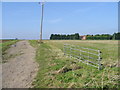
(88, 56)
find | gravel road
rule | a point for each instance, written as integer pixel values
(20, 70)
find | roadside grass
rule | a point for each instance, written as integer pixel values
(59, 71)
(4, 46)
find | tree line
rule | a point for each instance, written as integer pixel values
(76, 36)
(65, 37)
(115, 36)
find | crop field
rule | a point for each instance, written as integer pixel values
(57, 70)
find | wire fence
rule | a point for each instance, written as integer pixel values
(88, 56)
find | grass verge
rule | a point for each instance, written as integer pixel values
(4, 46)
(59, 71)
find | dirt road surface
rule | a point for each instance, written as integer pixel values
(20, 70)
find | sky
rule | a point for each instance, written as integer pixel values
(22, 19)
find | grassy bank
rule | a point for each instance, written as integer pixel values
(4, 46)
(59, 71)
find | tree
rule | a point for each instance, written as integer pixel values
(64, 37)
(76, 36)
(51, 37)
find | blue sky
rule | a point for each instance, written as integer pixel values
(22, 20)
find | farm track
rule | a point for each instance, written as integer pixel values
(20, 70)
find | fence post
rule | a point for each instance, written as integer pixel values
(88, 54)
(80, 55)
(70, 51)
(99, 59)
(64, 49)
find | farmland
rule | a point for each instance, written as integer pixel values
(57, 70)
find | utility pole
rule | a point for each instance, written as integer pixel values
(41, 27)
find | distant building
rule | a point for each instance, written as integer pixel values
(83, 37)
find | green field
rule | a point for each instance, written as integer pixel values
(57, 70)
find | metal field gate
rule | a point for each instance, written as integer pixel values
(88, 56)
